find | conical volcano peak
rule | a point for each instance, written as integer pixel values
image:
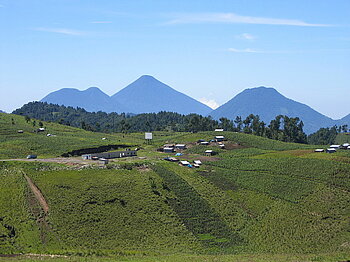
(268, 103)
(147, 81)
(149, 95)
(146, 77)
(262, 89)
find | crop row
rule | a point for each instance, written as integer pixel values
(196, 213)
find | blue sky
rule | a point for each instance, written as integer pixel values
(210, 50)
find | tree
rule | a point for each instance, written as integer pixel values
(226, 124)
(345, 128)
(83, 125)
(247, 124)
(274, 127)
(239, 123)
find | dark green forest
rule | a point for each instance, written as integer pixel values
(282, 128)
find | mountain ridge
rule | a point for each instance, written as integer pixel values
(148, 95)
(137, 97)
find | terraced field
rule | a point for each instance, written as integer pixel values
(257, 200)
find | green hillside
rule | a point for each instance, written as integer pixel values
(256, 200)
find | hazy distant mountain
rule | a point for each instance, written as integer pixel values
(91, 99)
(2, 111)
(147, 95)
(268, 103)
(344, 121)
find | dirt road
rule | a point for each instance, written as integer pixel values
(38, 195)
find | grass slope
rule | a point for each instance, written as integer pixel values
(259, 197)
(19, 145)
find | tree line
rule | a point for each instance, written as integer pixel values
(283, 128)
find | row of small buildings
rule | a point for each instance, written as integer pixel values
(171, 148)
(334, 148)
(196, 163)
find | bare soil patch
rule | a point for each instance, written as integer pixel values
(38, 195)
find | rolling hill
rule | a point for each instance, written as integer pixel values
(268, 103)
(64, 139)
(145, 95)
(256, 200)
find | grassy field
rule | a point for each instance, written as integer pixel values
(256, 200)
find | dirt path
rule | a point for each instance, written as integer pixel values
(38, 195)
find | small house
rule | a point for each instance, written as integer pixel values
(331, 150)
(196, 165)
(319, 150)
(345, 146)
(178, 154)
(31, 156)
(197, 162)
(104, 138)
(219, 138)
(222, 146)
(200, 141)
(180, 146)
(168, 149)
(219, 130)
(103, 161)
(86, 157)
(184, 163)
(205, 143)
(348, 147)
(40, 129)
(335, 146)
(209, 152)
(20, 131)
